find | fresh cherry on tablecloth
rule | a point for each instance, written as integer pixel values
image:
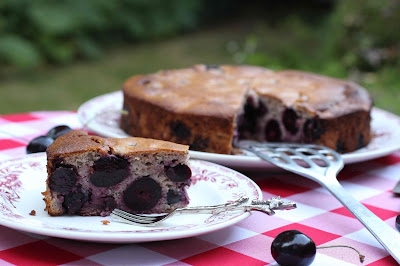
(41, 143)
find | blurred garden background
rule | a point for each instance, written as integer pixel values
(55, 55)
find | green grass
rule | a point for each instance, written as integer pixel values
(67, 87)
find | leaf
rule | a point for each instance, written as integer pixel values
(19, 52)
(87, 48)
(57, 51)
(55, 19)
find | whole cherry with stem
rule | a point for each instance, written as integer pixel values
(292, 247)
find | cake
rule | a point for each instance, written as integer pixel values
(211, 107)
(90, 175)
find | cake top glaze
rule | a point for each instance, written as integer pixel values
(221, 90)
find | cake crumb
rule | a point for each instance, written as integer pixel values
(33, 213)
(105, 222)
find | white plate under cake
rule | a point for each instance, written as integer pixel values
(23, 180)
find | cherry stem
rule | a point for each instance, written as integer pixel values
(361, 256)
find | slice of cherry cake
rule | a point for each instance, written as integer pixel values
(90, 175)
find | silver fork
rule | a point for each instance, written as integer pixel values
(265, 206)
(322, 165)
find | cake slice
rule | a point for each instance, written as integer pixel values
(90, 175)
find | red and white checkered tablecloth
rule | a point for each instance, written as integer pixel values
(248, 242)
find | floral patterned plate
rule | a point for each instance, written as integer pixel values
(102, 113)
(21, 206)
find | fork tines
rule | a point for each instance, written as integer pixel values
(288, 153)
(136, 219)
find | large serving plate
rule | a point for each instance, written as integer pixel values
(22, 180)
(101, 115)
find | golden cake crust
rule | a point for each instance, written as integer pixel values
(219, 92)
(324, 96)
(80, 141)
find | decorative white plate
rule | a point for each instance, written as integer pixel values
(22, 180)
(101, 115)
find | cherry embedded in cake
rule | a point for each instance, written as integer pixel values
(90, 175)
(209, 108)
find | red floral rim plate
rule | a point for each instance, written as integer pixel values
(22, 180)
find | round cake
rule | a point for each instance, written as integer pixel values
(209, 107)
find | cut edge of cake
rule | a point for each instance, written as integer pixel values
(90, 175)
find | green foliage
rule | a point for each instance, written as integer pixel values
(355, 35)
(32, 32)
(293, 44)
(366, 33)
(15, 50)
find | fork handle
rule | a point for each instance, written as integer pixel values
(218, 209)
(386, 236)
(213, 208)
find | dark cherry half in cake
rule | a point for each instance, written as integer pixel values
(209, 108)
(90, 175)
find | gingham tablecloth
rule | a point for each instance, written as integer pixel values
(248, 242)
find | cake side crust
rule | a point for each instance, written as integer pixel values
(214, 133)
